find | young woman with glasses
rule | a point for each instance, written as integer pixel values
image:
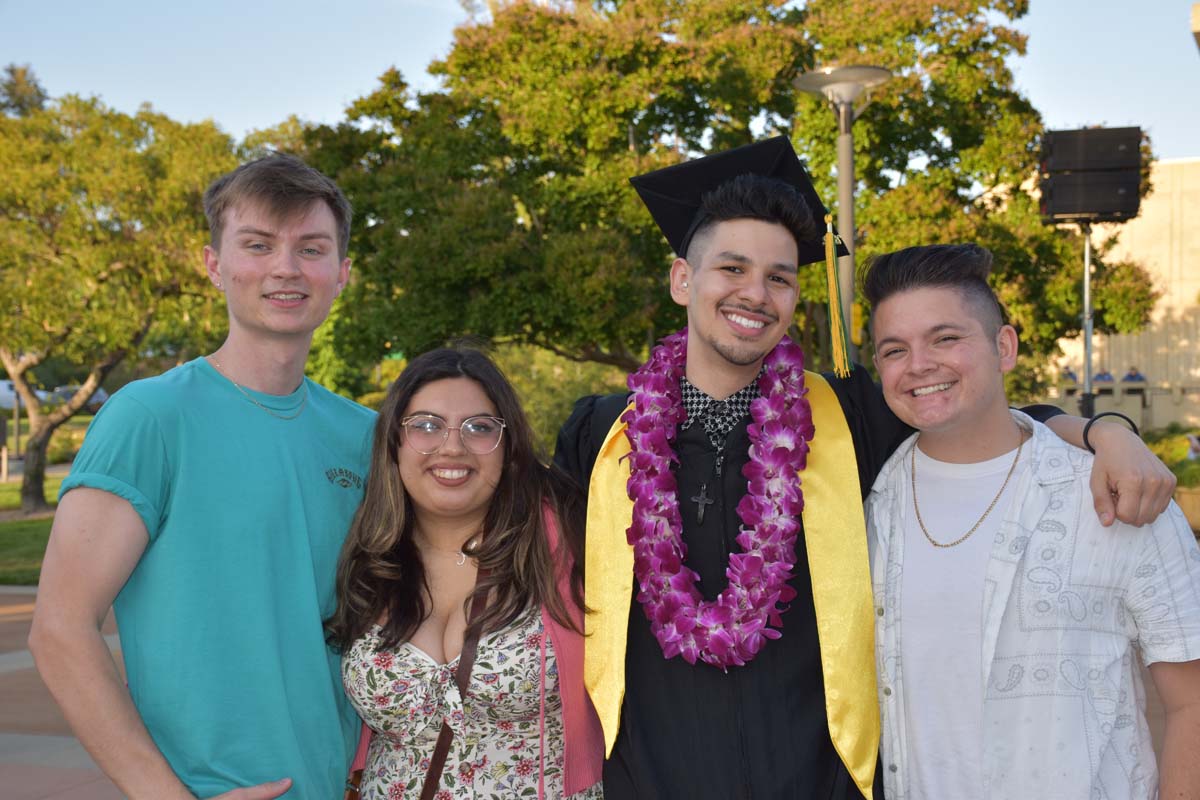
(461, 570)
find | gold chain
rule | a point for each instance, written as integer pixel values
(975, 527)
(248, 396)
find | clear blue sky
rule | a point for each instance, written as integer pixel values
(250, 64)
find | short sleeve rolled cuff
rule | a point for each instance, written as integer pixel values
(124, 454)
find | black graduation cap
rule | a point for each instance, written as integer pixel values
(672, 194)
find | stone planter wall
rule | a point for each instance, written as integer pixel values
(1189, 500)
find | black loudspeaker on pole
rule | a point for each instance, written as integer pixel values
(1091, 175)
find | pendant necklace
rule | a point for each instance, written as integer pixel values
(702, 500)
(469, 544)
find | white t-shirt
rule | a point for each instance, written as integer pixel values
(941, 604)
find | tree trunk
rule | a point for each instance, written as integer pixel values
(33, 490)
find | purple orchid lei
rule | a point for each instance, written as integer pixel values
(732, 629)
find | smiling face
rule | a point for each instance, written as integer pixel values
(740, 298)
(280, 277)
(941, 370)
(452, 486)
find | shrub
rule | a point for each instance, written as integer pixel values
(372, 399)
(64, 444)
(1171, 445)
(1171, 449)
(1187, 473)
(549, 385)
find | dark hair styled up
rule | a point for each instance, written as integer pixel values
(758, 197)
(380, 573)
(284, 186)
(964, 267)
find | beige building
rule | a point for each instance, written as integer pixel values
(1165, 239)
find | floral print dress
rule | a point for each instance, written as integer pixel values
(497, 749)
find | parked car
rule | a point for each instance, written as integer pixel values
(8, 395)
(62, 394)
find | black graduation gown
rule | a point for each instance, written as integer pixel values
(760, 730)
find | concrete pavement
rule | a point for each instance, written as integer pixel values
(39, 758)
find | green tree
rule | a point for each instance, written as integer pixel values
(288, 136)
(940, 154)
(548, 385)
(498, 206)
(101, 227)
(20, 92)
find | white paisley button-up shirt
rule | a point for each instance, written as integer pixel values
(1066, 605)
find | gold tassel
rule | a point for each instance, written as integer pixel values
(837, 325)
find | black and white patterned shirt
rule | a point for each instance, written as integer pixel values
(719, 416)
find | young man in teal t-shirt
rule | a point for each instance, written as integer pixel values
(208, 506)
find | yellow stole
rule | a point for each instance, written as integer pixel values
(836, 540)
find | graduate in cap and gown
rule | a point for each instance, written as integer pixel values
(729, 648)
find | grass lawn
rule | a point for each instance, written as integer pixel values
(22, 545)
(79, 422)
(10, 493)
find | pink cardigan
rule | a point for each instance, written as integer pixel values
(583, 739)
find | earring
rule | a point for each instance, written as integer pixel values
(220, 287)
(685, 284)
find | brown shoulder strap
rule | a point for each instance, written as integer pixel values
(462, 677)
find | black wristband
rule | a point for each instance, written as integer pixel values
(1088, 427)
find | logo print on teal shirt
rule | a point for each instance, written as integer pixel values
(347, 479)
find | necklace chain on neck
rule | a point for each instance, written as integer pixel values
(460, 553)
(299, 410)
(991, 505)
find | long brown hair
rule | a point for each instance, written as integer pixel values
(380, 573)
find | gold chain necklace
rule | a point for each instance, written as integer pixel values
(250, 397)
(975, 527)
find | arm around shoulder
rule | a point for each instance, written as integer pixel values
(1129, 482)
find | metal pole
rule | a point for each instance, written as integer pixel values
(845, 223)
(1087, 405)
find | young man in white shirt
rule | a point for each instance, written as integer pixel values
(1009, 620)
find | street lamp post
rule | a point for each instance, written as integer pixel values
(842, 87)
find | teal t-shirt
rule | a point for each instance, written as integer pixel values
(221, 620)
